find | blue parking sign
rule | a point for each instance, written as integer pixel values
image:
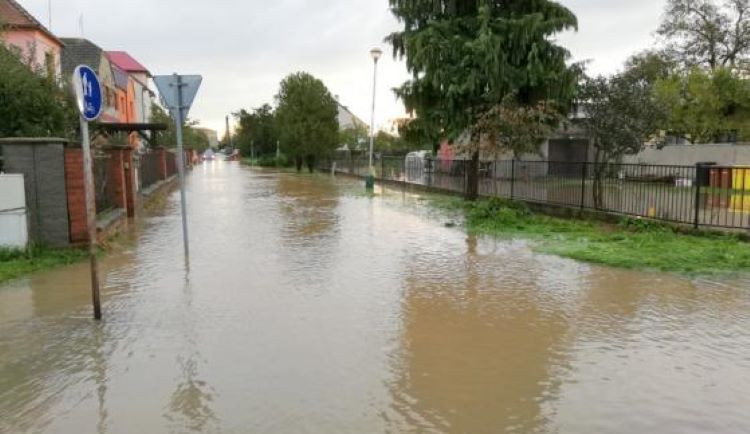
(88, 92)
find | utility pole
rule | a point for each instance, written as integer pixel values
(370, 180)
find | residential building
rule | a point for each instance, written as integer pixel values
(34, 42)
(347, 119)
(123, 94)
(78, 51)
(139, 94)
(133, 91)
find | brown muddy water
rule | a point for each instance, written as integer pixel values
(310, 308)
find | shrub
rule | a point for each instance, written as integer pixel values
(32, 105)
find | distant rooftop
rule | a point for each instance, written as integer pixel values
(15, 16)
(79, 51)
(126, 62)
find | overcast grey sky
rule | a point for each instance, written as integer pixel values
(244, 48)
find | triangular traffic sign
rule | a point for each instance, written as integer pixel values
(167, 86)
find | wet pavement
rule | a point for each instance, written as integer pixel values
(310, 308)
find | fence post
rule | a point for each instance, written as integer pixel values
(698, 182)
(131, 180)
(512, 177)
(583, 186)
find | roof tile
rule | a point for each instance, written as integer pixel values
(126, 62)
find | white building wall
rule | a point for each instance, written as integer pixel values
(690, 155)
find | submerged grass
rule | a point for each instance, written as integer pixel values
(634, 243)
(17, 263)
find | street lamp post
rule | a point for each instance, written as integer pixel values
(375, 53)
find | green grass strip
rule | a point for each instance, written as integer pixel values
(17, 263)
(633, 243)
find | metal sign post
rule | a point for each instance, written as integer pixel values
(89, 97)
(177, 93)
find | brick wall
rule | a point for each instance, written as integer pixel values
(76, 195)
(55, 195)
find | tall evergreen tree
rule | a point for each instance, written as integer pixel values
(467, 56)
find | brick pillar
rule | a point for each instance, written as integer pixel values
(74, 186)
(116, 176)
(188, 158)
(161, 155)
(131, 186)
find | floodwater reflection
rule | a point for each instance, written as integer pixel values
(310, 307)
(480, 346)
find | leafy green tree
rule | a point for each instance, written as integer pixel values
(32, 104)
(307, 117)
(257, 131)
(706, 106)
(466, 56)
(390, 144)
(354, 137)
(191, 137)
(420, 134)
(621, 114)
(702, 33)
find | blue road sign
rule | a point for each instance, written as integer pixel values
(88, 92)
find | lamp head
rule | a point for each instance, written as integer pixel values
(376, 53)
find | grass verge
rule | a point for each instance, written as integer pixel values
(17, 263)
(633, 243)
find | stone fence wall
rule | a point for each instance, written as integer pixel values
(42, 164)
(53, 173)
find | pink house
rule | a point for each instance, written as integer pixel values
(37, 45)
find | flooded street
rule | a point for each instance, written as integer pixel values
(311, 308)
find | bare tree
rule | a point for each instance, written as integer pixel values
(702, 33)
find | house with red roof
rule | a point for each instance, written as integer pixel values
(139, 95)
(19, 30)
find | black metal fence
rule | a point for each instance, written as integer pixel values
(149, 170)
(703, 196)
(104, 183)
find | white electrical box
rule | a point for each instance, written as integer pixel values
(13, 221)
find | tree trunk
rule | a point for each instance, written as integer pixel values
(310, 160)
(298, 162)
(472, 177)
